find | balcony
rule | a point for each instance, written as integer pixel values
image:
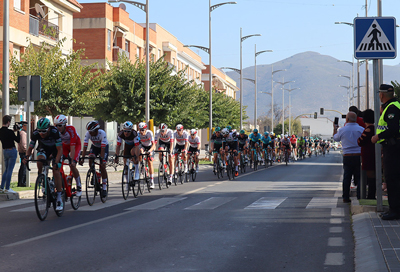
(42, 27)
(119, 51)
(170, 65)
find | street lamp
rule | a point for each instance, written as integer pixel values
(283, 103)
(352, 73)
(290, 90)
(255, 83)
(349, 78)
(348, 95)
(272, 93)
(208, 50)
(272, 121)
(145, 8)
(241, 74)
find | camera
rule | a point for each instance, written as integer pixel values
(17, 126)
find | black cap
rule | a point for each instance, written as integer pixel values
(385, 88)
(24, 122)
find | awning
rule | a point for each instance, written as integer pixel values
(51, 6)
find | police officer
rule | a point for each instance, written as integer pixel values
(387, 134)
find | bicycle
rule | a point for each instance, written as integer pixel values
(45, 192)
(243, 162)
(267, 157)
(129, 183)
(179, 163)
(144, 177)
(219, 169)
(70, 191)
(191, 168)
(94, 183)
(163, 170)
(230, 167)
(254, 159)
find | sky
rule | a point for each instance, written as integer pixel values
(288, 27)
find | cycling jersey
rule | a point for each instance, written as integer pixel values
(194, 143)
(301, 142)
(132, 139)
(218, 141)
(231, 138)
(100, 140)
(168, 137)
(70, 136)
(266, 140)
(181, 139)
(243, 140)
(52, 140)
(147, 139)
(255, 138)
(285, 142)
(293, 140)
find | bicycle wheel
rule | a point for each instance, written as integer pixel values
(147, 179)
(233, 169)
(41, 197)
(174, 177)
(286, 158)
(160, 175)
(181, 173)
(228, 170)
(125, 182)
(266, 161)
(91, 180)
(255, 161)
(133, 183)
(142, 179)
(75, 200)
(193, 172)
(218, 169)
(103, 199)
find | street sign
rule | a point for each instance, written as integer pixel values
(375, 38)
(35, 88)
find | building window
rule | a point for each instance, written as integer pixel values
(17, 4)
(109, 40)
(159, 53)
(138, 52)
(173, 61)
(17, 52)
(127, 46)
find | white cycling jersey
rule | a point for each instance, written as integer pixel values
(166, 138)
(100, 140)
(181, 140)
(195, 143)
(147, 139)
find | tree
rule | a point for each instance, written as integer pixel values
(68, 87)
(295, 124)
(396, 86)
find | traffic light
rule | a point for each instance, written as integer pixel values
(321, 111)
(315, 115)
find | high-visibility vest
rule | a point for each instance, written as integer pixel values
(382, 125)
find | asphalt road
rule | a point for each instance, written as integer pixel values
(284, 218)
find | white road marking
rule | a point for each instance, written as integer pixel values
(335, 241)
(211, 203)
(336, 220)
(336, 229)
(337, 212)
(334, 259)
(11, 203)
(267, 203)
(322, 202)
(155, 204)
(109, 203)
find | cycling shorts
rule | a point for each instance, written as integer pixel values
(179, 148)
(96, 151)
(293, 145)
(165, 146)
(217, 147)
(265, 146)
(67, 150)
(47, 151)
(193, 150)
(232, 146)
(252, 144)
(241, 146)
(127, 149)
(146, 149)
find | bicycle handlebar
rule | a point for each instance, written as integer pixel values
(44, 161)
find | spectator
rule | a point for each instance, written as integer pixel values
(7, 138)
(349, 135)
(368, 152)
(360, 120)
(22, 151)
(387, 134)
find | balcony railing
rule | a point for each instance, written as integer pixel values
(43, 27)
(172, 66)
(119, 51)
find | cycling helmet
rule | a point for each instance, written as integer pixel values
(286, 135)
(224, 131)
(127, 125)
(162, 127)
(229, 128)
(92, 126)
(242, 131)
(255, 130)
(266, 133)
(217, 129)
(179, 127)
(272, 134)
(43, 123)
(60, 120)
(193, 131)
(142, 125)
(294, 136)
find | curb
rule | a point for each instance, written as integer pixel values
(9, 196)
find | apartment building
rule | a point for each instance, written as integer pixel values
(220, 81)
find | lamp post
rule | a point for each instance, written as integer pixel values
(348, 95)
(208, 50)
(272, 121)
(272, 93)
(255, 83)
(290, 114)
(145, 8)
(283, 103)
(348, 88)
(241, 74)
(352, 74)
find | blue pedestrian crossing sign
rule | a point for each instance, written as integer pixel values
(375, 38)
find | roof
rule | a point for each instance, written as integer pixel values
(74, 2)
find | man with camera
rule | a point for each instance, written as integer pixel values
(21, 127)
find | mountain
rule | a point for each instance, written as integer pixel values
(316, 76)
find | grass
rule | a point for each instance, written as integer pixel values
(14, 186)
(372, 202)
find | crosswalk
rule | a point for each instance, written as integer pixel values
(186, 203)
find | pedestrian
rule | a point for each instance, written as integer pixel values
(359, 113)
(368, 152)
(22, 151)
(349, 135)
(388, 135)
(7, 138)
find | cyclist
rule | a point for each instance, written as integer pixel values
(217, 142)
(286, 145)
(243, 141)
(323, 146)
(50, 146)
(131, 138)
(99, 147)
(301, 143)
(316, 145)
(266, 145)
(194, 147)
(71, 145)
(147, 144)
(165, 136)
(231, 140)
(181, 137)
(254, 139)
(273, 145)
(293, 141)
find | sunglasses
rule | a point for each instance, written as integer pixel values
(143, 129)
(127, 131)
(59, 125)
(42, 130)
(179, 130)
(193, 134)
